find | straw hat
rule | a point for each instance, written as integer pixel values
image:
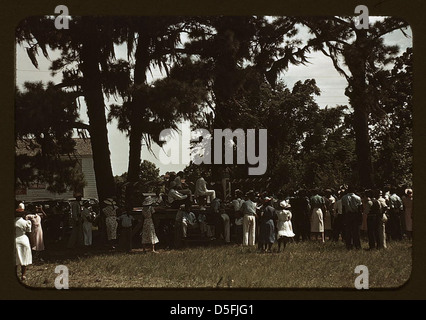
(267, 199)
(21, 208)
(148, 201)
(285, 204)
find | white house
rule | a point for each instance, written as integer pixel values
(83, 152)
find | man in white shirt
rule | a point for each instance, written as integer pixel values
(201, 189)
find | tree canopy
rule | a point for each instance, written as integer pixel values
(225, 72)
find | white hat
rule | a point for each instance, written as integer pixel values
(110, 201)
(148, 201)
(285, 204)
(21, 207)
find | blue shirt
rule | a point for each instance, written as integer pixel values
(248, 207)
(351, 203)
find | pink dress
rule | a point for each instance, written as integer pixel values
(36, 235)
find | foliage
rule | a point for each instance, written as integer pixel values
(392, 134)
(359, 55)
(148, 181)
(46, 116)
(228, 73)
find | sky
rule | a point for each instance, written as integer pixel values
(331, 84)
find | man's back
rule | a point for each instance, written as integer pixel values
(351, 203)
(395, 202)
(317, 201)
(248, 207)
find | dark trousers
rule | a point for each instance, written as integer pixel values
(395, 226)
(239, 234)
(301, 228)
(373, 230)
(352, 230)
(125, 241)
(338, 227)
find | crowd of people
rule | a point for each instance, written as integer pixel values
(265, 218)
(346, 215)
(247, 218)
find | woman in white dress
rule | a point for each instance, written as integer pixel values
(22, 242)
(149, 237)
(284, 226)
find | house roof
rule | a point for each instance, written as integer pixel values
(29, 147)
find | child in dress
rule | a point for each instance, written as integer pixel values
(149, 237)
(284, 226)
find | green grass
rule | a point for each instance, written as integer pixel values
(300, 265)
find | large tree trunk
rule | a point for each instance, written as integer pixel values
(362, 148)
(225, 84)
(142, 59)
(92, 89)
(356, 58)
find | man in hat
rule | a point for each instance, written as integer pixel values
(76, 237)
(202, 191)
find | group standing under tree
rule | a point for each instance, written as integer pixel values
(345, 215)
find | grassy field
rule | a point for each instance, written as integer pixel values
(300, 265)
